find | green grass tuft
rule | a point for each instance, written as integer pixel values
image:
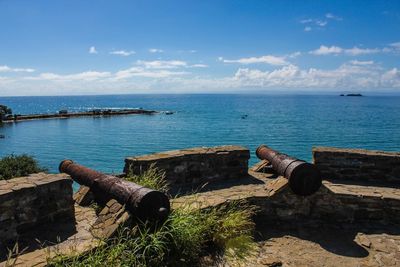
(189, 234)
(151, 178)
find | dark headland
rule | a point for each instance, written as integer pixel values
(351, 95)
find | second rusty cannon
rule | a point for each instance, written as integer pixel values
(144, 203)
(304, 178)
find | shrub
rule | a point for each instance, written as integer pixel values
(189, 233)
(5, 110)
(16, 166)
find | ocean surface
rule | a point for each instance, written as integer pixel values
(292, 124)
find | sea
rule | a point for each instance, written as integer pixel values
(292, 124)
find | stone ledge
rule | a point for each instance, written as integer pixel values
(188, 168)
(68, 242)
(366, 152)
(27, 202)
(189, 152)
(358, 166)
(332, 203)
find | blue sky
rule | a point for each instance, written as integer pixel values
(112, 47)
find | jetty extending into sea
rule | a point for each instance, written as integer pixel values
(64, 114)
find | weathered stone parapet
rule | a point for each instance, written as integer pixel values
(27, 202)
(332, 203)
(358, 165)
(191, 167)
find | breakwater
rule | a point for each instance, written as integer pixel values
(64, 114)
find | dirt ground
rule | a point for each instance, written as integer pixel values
(285, 244)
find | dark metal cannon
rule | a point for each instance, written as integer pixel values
(304, 178)
(144, 203)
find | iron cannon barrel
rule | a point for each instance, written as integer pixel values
(144, 203)
(304, 178)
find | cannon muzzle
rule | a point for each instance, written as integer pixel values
(144, 203)
(304, 178)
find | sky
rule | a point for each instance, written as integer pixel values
(79, 47)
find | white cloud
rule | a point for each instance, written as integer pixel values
(391, 78)
(167, 64)
(334, 17)
(162, 64)
(294, 54)
(346, 76)
(355, 51)
(188, 51)
(171, 76)
(321, 23)
(147, 73)
(325, 50)
(92, 50)
(268, 59)
(356, 62)
(395, 45)
(198, 66)
(155, 50)
(122, 53)
(313, 22)
(85, 76)
(305, 21)
(5, 68)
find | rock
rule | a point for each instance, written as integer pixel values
(364, 241)
(271, 262)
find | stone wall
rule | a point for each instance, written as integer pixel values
(332, 203)
(195, 166)
(30, 201)
(358, 165)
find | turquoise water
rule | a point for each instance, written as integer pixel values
(292, 124)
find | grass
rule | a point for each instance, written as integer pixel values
(151, 178)
(16, 166)
(189, 235)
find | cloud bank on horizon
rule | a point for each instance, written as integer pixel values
(256, 46)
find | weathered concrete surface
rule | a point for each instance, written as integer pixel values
(194, 166)
(358, 165)
(27, 202)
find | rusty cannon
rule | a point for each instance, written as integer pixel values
(304, 178)
(144, 203)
